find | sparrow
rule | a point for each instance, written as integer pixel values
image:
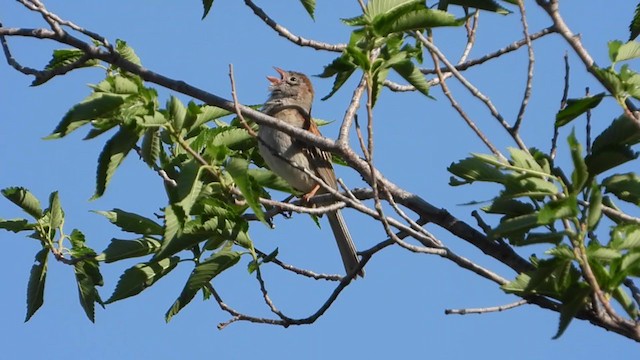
(290, 100)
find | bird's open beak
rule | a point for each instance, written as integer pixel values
(274, 80)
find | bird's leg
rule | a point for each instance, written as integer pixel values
(306, 197)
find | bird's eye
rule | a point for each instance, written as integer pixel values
(293, 79)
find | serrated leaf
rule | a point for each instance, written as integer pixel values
(174, 221)
(595, 207)
(127, 52)
(625, 187)
(310, 6)
(576, 301)
(189, 185)
(231, 137)
(558, 209)
(85, 279)
(141, 276)
(488, 5)
(113, 154)
(412, 74)
(626, 236)
(65, 57)
(37, 279)
(24, 199)
(634, 26)
(131, 222)
(508, 207)
(476, 169)
(206, 4)
(56, 214)
(125, 249)
(16, 225)
(202, 274)
(622, 131)
(208, 113)
(543, 238)
(267, 178)
(580, 173)
(237, 168)
(177, 113)
(150, 149)
(628, 51)
(608, 158)
(577, 107)
(613, 47)
(524, 160)
(515, 224)
(95, 106)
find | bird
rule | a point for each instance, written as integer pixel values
(290, 100)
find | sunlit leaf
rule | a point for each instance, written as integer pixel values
(112, 155)
(24, 199)
(200, 276)
(577, 107)
(37, 279)
(124, 249)
(141, 276)
(131, 222)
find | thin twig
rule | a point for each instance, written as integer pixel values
(285, 33)
(487, 309)
(530, 66)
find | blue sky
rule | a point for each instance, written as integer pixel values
(398, 309)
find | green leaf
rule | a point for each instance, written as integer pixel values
(595, 207)
(628, 51)
(558, 209)
(577, 107)
(267, 178)
(66, 57)
(625, 187)
(515, 224)
(238, 168)
(189, 185)
(126, 52)
(576, 301)
(37, 279)
(87, 271)
(580, 174)
(310, 6)
(604, 159)
(614, 46)
(96, 105)
(207, 6)
(141, 276)
(476, 169)
(341, 67)
(86, 280)
(622, 131)
(202, 274)
(150, 149)
(131, 222)
(412, 74)
(177, 113)
(543, 238)
(56, 214)
(174, 220)
(524, 160)
(634, 26)
(508, 207)
(112, 155)
(24, 199)
(16, 225)
(489, 5)
(626, 236)
(124, 249)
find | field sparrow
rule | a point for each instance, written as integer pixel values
(290, 100)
